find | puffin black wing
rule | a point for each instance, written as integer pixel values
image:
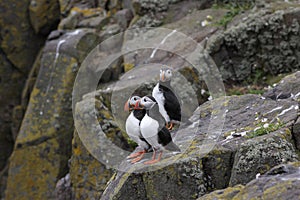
(165, 139)
(172, 104)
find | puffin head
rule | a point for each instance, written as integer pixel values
(165, 74)
(147, 102)
(131, 103)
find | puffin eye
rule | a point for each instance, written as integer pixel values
(169, 72)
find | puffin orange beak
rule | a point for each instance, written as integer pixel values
(126, 106)
(137, 105)
(163, 76)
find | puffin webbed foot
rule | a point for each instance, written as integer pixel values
(138, 158)
(170, 126)
(153, 159)
(134, 155)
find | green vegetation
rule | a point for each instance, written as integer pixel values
(234, 8)
(265, 129)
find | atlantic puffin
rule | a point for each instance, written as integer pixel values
(153, 129)
(169, 105)
(133, 128)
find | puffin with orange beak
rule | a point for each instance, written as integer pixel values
(133, 128)
(153, 129)
(168, 103)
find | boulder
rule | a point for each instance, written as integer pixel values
(10, 91)
(19, 42)
(287, 88)
(44, 15)
(281, 182)
(198, 170)
(43, 145)
(265, 43)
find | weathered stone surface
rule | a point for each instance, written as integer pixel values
(281, 182)
(261, 154)
(43, 145)
(224, 165)
(296, 133)
(10, 92)
(63, 188)
(287, 88)
(265, 43)
(18, 40)
(124, 17)
(84, 18)
(88, 175)
(44, 15)
(87, 143)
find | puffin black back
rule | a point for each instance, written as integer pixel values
(172, 106)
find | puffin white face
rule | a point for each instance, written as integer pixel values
(131, 103)
(133, 100)
(147, 102)
(165, 75)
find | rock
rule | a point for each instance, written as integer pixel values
(123, 18)
(88, 144)
(226, 194)
(287, 88)
(199, 170)
(263, 44)
(18, 40)
(44, 15)
(63, 188)
(281, 182)
(84, 18)
(12, 81)
(261, 154)
(43, 145)
(296, 133)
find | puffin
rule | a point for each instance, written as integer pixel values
(168, 103)
(132, 126)
(154, 130)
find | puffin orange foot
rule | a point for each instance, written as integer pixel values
(170, 126)
(137, 159)
(153, 159)
(134, 155)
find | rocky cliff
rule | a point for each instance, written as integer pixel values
(241, 146)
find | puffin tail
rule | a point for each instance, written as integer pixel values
(172, 147)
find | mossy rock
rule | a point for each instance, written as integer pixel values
(43, 145)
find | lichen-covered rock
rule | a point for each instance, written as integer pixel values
(84, 18)
(296, 133)
(221, 166)
(281, 182)
(63, 188)
(226, 194)
(287, 88)
(43, 145)
(18, 39)
(88, 175)
(44, 15)
(10, 89)
(261, 154)
(265, 43)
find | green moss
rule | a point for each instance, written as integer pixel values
(233, 10)
(263, 130)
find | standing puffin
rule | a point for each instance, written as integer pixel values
(169, 105)
(133, 128)
(153, 129)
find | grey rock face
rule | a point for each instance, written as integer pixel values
(264, 43)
